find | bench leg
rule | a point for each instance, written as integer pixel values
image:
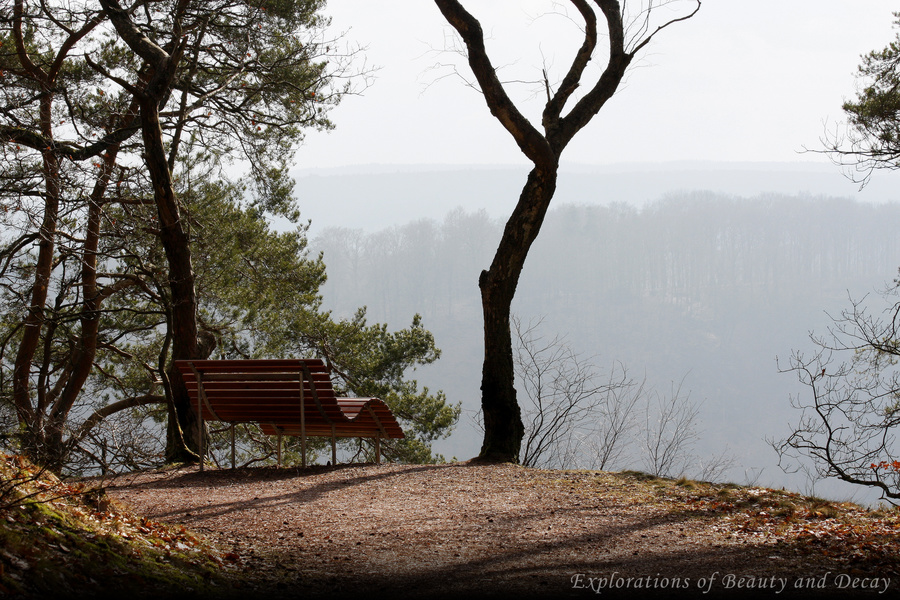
(333, 448)
(303, 450)
(279, 448)
(303, 423)
(200, 421)
(232, 446)
(377, 449)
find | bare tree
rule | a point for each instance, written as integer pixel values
(503, 426)
(609, 440)
(573, 414)
(669, 432)
(849, 415)
(563, 395)
(714, 467)
(853, 404)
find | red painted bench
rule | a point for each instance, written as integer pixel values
(285, 397)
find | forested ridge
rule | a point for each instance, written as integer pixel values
(696, 286)
(684, 247)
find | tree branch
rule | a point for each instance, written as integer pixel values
(110, 409)
(572, 79)
(529, 139)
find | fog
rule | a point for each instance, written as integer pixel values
(377, 196)
(711, 287)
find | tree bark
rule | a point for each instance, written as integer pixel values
(503, 429)
(81, 360)
(44, 422)
(173, 235)
(33, 416)
(183, 299)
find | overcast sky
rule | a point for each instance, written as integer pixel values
(744, 80)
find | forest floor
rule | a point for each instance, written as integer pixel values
(441, 530)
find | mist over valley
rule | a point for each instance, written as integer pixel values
(703, 288)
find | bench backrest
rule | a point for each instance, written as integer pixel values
(269, 392)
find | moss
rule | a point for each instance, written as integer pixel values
(68, 547)
(640, 475)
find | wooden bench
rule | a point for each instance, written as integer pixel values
(285, 397)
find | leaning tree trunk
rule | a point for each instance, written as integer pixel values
(33, 418)
(34, 434)
(173, 235)
(176, 243)
(503, 428)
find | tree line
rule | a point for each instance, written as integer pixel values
(696, 286)
(681, 249)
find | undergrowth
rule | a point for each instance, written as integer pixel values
(60, 540)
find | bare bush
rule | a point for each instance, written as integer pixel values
(576, 418)
(669, 433)
(565, 397)
(129, 440)
(612, 436)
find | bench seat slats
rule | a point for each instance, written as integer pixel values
(251, 392)
(268, 392)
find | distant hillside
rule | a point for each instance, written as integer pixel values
(372, 197)
(701, 287)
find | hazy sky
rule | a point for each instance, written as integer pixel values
(744, 80)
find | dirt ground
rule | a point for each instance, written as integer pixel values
(502, 530)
